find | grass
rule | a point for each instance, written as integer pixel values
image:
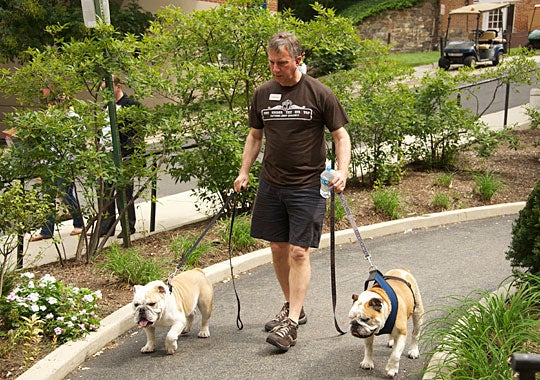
(387, 202)
(478, 337)
(416, 59)
(181, 244)
(129, 266)
(487, 184)
(441, 201)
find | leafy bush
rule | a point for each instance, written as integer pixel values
(525, 246)
(444, 180)
(67, 312)
(476, 338)
(129, 266)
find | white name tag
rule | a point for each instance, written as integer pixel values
(275, 97)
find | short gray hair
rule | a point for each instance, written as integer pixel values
(285, 40)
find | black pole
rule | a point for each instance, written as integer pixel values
(506, 101)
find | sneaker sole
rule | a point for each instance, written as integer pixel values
(280, 346)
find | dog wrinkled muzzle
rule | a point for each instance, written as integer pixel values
(142, 320)
(360, 331)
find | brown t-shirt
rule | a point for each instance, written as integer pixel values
(293, 119)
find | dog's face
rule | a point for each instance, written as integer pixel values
(368, 314)
(149, 302)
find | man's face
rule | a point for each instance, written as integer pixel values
(284, 67)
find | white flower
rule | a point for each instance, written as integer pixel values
(31, 285)
(34, 308)
(52, 301)
(98, 294)
(58, 330)
(69, 324)
(49, 316)
(28, 275)
(47, 279)
(88, 298)
(33, 297)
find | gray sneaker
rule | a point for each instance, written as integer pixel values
(283, 336)
(283, 315)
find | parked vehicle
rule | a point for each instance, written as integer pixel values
(534, 34)
(476, 45)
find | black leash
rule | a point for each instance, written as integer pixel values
(230, 199)
(367, 256)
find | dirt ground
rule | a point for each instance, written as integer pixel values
(518, 169)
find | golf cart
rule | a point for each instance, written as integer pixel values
(475, 45)
(534, 31)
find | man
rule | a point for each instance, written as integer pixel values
(292, 111)
(127, 135)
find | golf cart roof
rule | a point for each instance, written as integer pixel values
(478, 8)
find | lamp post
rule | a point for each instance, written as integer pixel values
(94, 11)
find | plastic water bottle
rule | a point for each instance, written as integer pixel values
(326, 177)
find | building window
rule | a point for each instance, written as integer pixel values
(495, 20)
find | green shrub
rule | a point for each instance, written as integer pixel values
(241, 238)
(67, 312)
(477, 337)
(441, 201)
(487, 184)
(525, 246)
(182, 244)
(387, 202)
(129, 266)
(445, 180)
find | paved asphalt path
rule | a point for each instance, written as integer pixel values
(447, 261)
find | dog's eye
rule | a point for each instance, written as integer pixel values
(364, 319)
(152, 304)
(136, 304)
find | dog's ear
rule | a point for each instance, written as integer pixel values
(354, 297)
(137, 287)
(162, 289)
(376, 304)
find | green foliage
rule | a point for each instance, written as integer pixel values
(487, 184)
(240, 237)
(21, 211)
(24, 23)
(445, 180)
(363, 9)
(534, 114)
(67, 313)
(129, 266)
(441, 201)
(525, 246)
(387, 202)
(181, 244)
(330, 41)
(416, 59)
(478, 337)
(339, 210)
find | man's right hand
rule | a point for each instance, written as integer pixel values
(241, 182)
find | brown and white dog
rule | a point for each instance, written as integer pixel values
(371, 309)
(156, 306)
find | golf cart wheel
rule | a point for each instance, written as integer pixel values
(444, 63)
(498, 58)
(470, 61)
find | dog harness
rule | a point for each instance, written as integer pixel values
(376, 276)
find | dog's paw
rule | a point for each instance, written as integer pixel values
(171, 346)
(413, 353)
(367, 364)
(391, 371)
(390, 343)
(205, 333)
(148, 348)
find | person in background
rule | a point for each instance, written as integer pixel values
(127, 136)
(292, 111)
(65, 189)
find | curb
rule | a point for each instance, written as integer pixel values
(66, 358)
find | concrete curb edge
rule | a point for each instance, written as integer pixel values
(66, 358)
